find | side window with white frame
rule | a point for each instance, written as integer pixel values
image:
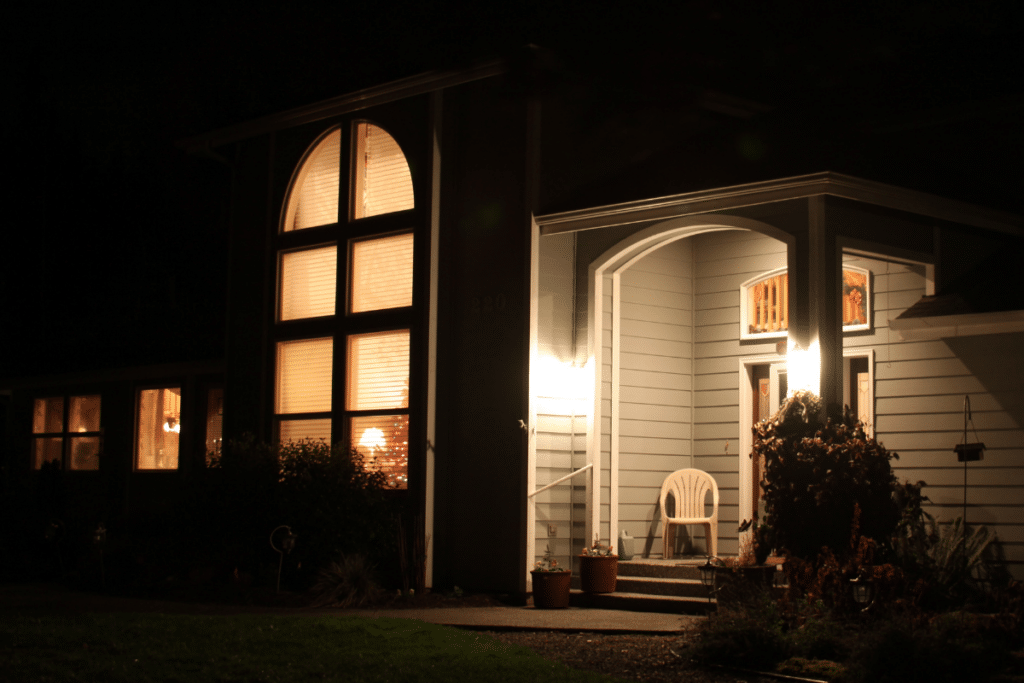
(66, 430)
(764, 303)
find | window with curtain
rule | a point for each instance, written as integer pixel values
(158, 425)
(373, 275)
(66, 430)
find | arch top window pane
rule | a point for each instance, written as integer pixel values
(308, 283)
(382, 181)
(313, 199)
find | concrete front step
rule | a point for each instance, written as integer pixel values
(661, 569)
(640, 602)
(650, 585)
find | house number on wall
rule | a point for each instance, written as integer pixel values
(487, 304)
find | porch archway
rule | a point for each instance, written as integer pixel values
(606, 273)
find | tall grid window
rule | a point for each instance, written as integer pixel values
(345, 298)
(66, 430)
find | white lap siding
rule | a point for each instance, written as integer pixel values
(560, 436)
(655, 385)
(722, 262)
(919, 400)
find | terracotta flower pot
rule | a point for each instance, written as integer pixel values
(598, 573)
(551, 589)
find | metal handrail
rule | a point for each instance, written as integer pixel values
(559, 481)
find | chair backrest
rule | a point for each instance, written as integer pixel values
(689, 487)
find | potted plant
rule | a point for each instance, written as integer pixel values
(550, 583)
(599, 568)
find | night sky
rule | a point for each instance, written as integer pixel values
(114, 245)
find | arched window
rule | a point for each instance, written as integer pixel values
(361, 347)
(313, 200)
(764, 303)
(381, 179)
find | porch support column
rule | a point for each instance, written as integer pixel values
(824, 289)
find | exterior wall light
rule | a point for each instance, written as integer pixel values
(804, 368)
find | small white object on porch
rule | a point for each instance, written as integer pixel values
(689, 488)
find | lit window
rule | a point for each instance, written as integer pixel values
(383, 441)
(768, 305)
(81, 439)
(301, 430)
(855, 299)
(375, 272)
(314, 196)
(378, 371)
(214, 422)
(765, 303)
(304, 375)
(308, 281)
(304, 381)
(382, 182)
(159, 427)
(382, 273)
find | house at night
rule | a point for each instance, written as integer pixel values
(455, 275)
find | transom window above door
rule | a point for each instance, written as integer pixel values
(764, 303)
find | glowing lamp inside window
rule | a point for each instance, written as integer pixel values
(372, 439)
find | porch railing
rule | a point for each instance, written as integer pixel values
(559, 481)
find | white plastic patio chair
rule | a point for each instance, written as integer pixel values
(689, 488)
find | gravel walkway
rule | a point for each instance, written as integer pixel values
(631, 657)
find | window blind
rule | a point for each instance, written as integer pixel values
(298, 430)
(383, 440)
(383, 183)
(382, 273)
(308, 283)
(304, 375)
(378, 371)
(314, 196)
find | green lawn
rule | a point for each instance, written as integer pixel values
(193, 649)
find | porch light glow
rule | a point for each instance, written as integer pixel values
(171, 424)
(559, 379)
(804, 368)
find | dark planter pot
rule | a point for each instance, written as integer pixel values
(735, 584)
(551, 589)
(598, 574)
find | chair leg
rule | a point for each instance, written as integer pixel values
(712, 540)
(668, 540)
